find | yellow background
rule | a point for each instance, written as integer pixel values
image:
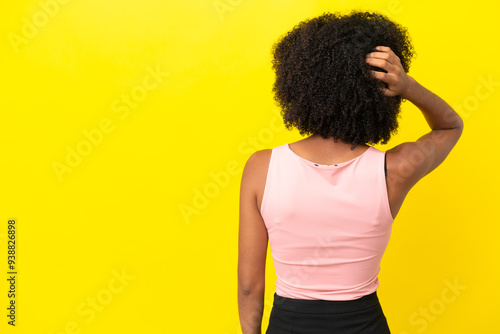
(141, 235)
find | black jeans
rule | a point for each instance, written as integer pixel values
(304, 316)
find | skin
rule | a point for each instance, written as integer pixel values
(407, 163)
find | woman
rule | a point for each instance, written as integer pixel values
(326, 203)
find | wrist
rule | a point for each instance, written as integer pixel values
(407, 94)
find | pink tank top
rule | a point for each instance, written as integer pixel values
(328, 225)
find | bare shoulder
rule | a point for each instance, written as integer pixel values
(257, 164)
(254, 176)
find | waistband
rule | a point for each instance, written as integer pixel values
(318, 306)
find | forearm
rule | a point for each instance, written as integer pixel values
(251, 307)
(437, 113)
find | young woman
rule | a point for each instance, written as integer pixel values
(326, 203)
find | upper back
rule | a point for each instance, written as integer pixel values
(333, 219)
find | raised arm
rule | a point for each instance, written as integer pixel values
(408, 162)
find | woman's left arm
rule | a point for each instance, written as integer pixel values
(252, 246)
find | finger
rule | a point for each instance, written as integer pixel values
(387, 52)
(382, 63)
(390, 57)
(388, 78)
(380, 55)
(383, 48)
(388, 92)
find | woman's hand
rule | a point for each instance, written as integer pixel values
(399, 83)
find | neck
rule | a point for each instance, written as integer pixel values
(329, 144)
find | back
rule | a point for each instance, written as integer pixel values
(328, 225)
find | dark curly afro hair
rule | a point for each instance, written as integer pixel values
(323, 84)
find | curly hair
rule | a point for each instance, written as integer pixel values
(323, 84)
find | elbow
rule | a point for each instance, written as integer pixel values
(250, 279)
(455, 122)
(459, 122)
(249, 289)
(460, 126)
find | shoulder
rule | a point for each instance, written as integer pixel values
(261, 156)
(374, 154)
(255, 173)
(258, 162)
(373, 150)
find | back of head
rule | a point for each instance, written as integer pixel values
(323, 84)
